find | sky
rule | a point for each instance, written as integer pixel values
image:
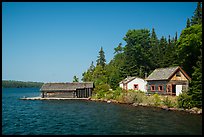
(53, 42)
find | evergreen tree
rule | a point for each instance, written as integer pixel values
(136, 52)
(154, 50)
(88, 75)
(176, 37)
(101, 58)
(75, 79)
(92, 67)
(188, 23)
(118, 49)
(162, 51)
(169, 40)
(197, 17)
(153, 38)
(196, 84)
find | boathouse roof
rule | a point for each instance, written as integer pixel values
(165, 73)
(65, 86)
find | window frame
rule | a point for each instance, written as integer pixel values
(137, 86)
(160, 89)
(152, 86)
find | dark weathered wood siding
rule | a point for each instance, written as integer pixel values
(157, 84)
(78, 93)
(62, 94)
(67, 90)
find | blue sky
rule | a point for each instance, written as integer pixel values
(52, 42)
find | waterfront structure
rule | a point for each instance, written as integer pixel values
(67, 90)
(134, 83)
(170, 81)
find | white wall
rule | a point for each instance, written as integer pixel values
(178, 89)
(141, 84)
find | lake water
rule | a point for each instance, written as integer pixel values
(82, 117)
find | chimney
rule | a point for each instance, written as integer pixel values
(145, 75)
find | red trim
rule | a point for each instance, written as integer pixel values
(154, 88)
(161, 87)
(136, 86)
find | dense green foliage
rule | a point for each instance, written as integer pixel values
(20, 84)
(144, 52)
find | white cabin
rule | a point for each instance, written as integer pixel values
(134, 83)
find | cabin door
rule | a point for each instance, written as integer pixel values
(178, 89)
(173, 89)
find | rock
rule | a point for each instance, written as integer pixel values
(199, 111)
(165, 107)
(173, 109)
(108, 101)
(135, 104)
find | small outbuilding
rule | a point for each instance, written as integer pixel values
(134, 83)
(170, 81)
(67, 90)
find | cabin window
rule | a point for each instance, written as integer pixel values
(135, 86)
(178, 74)
(160, 88)
(152, 87)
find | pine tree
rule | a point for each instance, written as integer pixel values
(101, 58)
(153, 38)
(188, 23)
(176, 37)
(75, 79)
(154, 51)
(118, 49)
(197, 17)
(169, 40)
(196, 84)
(92, 67)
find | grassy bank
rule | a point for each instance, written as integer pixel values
(142, 99)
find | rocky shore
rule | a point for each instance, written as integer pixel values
(193, 110)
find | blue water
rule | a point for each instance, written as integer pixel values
(81, 117)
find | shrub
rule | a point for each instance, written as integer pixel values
(101, 90)
(157, 100)
(139, 97)
(116, 93)
(184, 100)
(168, 102)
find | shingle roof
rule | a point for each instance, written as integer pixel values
(162, 73)
(128, 79)
(65, 86)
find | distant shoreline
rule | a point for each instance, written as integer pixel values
(20, 84)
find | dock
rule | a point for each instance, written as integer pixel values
(52, 98)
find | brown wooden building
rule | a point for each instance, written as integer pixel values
(67, 90)
(170, 81)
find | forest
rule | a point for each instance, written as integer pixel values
(20, 84)
(144, 52)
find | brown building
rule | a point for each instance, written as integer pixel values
(67, 90)
(171, 81)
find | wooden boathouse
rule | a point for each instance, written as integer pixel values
(67, 90)
(168, 81)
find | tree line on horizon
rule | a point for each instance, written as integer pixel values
(20, 84)
(144, 52)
